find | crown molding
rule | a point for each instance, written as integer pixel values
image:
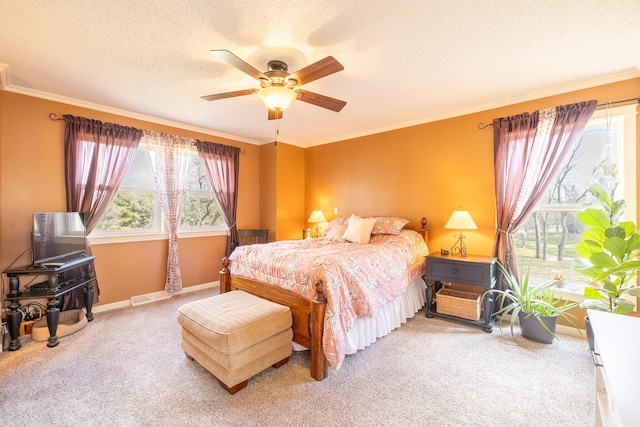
(6, 86)
(604, 79)
(628, 74)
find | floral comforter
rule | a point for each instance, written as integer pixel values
(360, 278)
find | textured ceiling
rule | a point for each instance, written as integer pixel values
(405, 61)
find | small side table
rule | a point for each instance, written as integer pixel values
(62, 279)
(475, 270)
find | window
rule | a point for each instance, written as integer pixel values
(135, 210)
(200, 209)
(134, 207)
(549, 237)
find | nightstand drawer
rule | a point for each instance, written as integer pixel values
(457, 272)
(460, 271)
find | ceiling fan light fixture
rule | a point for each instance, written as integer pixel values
(276, 97)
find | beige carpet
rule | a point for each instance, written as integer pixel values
(126, 368)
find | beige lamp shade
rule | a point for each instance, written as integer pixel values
(461, 220)
(317, 216)
(276, 97)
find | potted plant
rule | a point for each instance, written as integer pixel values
(608, 255)
(535, 306)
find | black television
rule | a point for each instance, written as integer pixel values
(57, 237)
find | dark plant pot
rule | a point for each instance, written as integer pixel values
(534, 331)
(589, 330)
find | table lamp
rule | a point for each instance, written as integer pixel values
(460, 220)
(316, 217)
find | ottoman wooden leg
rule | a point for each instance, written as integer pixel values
(280, 363)
(236, 388)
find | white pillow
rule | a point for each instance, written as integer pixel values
(359, 229)
(336, 232)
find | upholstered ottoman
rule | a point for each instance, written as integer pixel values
(236, 335)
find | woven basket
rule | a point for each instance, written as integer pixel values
(458, 303)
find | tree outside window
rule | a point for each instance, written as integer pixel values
(550, 235)
(135, 209)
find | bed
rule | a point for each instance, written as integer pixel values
(343, 293)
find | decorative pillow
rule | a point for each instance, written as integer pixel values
(336, 232)
(339, 220)
(359, 229)
(389, 225)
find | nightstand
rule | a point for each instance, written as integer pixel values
(474, 270)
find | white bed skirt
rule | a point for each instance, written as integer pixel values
(391, 316)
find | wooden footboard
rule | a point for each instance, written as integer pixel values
(308, 315)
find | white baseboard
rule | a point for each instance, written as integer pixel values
(147, 298)
(571, 331)
(200, 287)
(151, 297)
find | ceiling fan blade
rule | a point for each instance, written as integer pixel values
(275, 114)
(322, 68)
(228, 94)
(320, 100)
(240, 64)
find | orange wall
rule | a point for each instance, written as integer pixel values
(268, 189)
(282, 190)
(32, 174)
(427, 170)
(290, 193)
(411, 173)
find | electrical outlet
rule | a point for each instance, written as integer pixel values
(335, 211)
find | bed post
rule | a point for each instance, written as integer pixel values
(225, 276)
(423, 230)
(319, 366)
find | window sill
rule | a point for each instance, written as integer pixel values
(569, 295)
(131, 238)
(578, 296)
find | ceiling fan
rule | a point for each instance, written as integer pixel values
(278, 87)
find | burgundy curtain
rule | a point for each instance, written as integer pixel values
(97, 157)
(529, 150)
(221, 164)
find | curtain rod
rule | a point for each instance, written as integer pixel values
(481, 125)
(54, 117)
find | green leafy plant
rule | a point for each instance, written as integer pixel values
(608, 254)
(523, 296)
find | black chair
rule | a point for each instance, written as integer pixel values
(250, 237)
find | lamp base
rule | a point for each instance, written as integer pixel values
(459, 248)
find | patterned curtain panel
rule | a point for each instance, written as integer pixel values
(97, 157)
(529, 150)
(170, 157)
(221, 164)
